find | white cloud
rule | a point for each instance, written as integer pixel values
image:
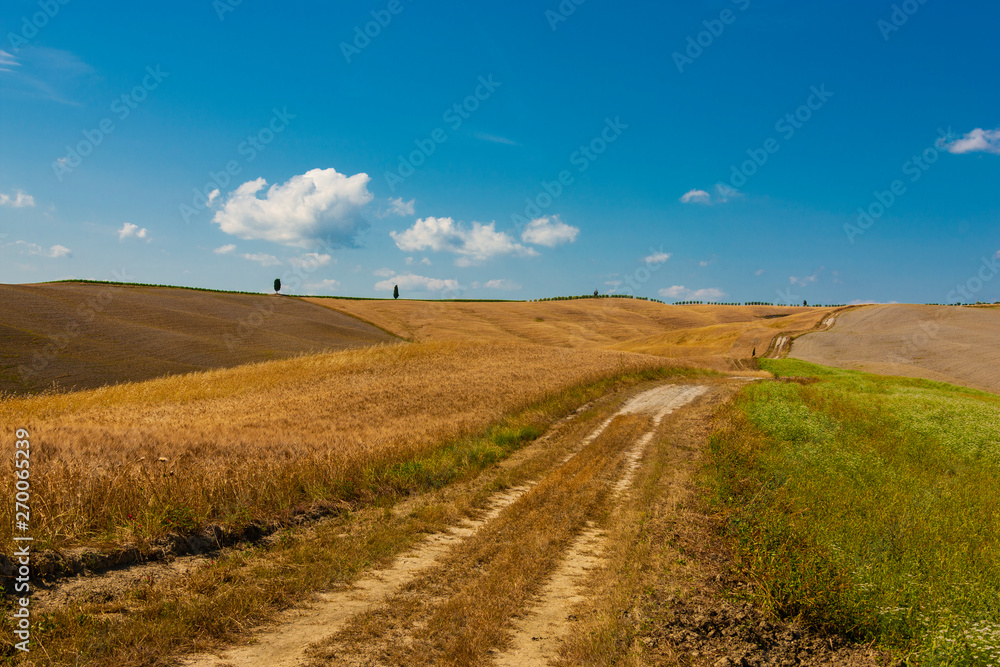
(399, 207)
(20, 198)
(129, 230)
(549, 231)
(212, 196)
(977, 141)
(262, 259)
(793, 280)
(696, 197)
(722, 194)
(410, 261)
(759, 272)
(683, 293)
(7, 61)
(501, 283)
(54, 252)
(417, 283)
(310, 261)
(298, 212)
(480, 243)
(326, 284)
(384, 273)
(613, 283)
(704, 263)
(492, 138)
(225, 249)
(657, 258)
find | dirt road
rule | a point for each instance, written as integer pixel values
(522, 583)
(286, 645)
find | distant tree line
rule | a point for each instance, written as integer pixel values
(596, 296)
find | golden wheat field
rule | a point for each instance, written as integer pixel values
(108, 462)
(707, 335)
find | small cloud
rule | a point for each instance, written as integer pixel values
(807, 280)
(384, 273)
(54, 252)
(310, 261)
(723, 194)
(262, 259)
(399, 207)
(492, 138)
(212, 196)
(977, 141)
(417, 283)
(19, 199)
(657, 258)
(759, 272)
(502, 284)
(997, 256)
(44, 73)
(326, 284)
(225, 249)
(7, 61)
(549, 231)
(683, 293)
(410, 261)
(696, 197)
(613, 283)
(129, 230)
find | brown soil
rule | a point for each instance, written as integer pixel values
(82, 335)
(944, 343)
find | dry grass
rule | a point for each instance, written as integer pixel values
(130, 461)
(640, 552)
(462, 609)
(153, 622)
(708, 335)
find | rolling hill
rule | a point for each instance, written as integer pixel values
(707, 335)
(83, 335)
(945, 343)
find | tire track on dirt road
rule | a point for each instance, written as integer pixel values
(537, 639)
(285, 644)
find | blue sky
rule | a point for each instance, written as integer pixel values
(721, 151)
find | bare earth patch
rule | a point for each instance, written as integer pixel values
(944, 343)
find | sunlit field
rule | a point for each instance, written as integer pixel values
(870, 505)
(709, 335)
(132, 461)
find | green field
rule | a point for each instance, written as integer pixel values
(868, 505)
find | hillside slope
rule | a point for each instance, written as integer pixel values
(946, 343)
(87, 335)
(702, 334)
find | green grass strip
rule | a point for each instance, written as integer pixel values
(868, 505)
